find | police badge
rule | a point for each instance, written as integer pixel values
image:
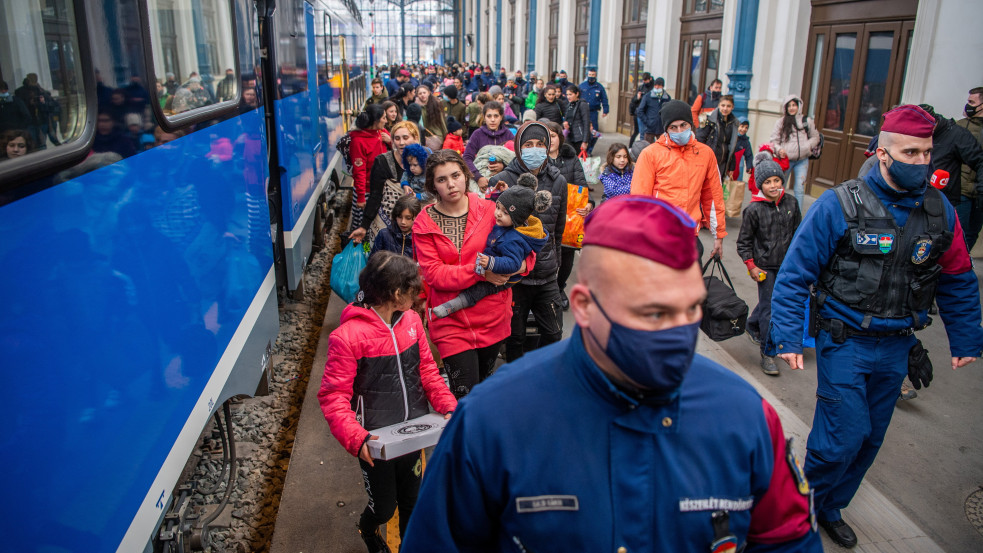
(923, 247)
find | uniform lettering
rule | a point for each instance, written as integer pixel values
(688, 505)
(547, 503)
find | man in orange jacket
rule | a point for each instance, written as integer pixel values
(682, 171)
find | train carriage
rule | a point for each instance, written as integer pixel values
(179, 166)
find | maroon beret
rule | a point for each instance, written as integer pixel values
(646, 227)
(910, 120)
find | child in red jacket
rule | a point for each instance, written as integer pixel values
(380, 372)
(455, 135)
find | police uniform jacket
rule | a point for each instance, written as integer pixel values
(547, 455)
(595, 96)
(812, 248)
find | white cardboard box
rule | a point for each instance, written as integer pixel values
(406, 437)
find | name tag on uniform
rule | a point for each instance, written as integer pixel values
(541, 503)
(689, 505)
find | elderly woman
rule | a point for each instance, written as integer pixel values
(448, 236)
(384, 187)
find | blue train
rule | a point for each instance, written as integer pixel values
(165, 167)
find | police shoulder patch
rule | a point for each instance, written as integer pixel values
(923, 247)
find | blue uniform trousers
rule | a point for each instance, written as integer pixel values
(859, 382)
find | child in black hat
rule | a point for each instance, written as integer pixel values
(517, 232)
(455, 135)
(769, 223)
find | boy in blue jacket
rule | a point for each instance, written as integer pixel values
(517, 232)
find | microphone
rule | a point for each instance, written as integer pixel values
(940, 179)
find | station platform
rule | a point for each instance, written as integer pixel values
(323, 494)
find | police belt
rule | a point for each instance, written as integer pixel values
(839, 329)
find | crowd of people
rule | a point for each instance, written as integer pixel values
(468, 173)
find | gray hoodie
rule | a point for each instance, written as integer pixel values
(803, 139)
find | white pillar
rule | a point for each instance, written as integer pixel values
(609, 61)
(662, 40)
(505, 36)
(945, 62)
(542, 38)
(564, 40)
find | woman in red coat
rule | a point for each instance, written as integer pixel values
(447, 238)
(369, 140)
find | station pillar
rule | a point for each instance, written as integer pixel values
(743, 59)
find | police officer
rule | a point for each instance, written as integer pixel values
(596, 97)
(877, 251)
(618, 438)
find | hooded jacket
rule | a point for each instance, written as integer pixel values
(366, 146)
(509, 246)
(616, 182)
(447, 271)
(685, 176)
(952, 147)
(804, 138)
(549, 110)
(569, 165)
(767, 229)
(707, 102)
(377, 375)
(554, 221)
(650, 112)
(391, 239)
(481, 137)
(722, 147)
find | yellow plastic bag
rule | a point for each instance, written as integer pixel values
(573, 232)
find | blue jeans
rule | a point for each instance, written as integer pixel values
(971, 220)
(859, 382)
(800, 168)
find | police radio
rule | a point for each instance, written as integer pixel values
(940, 179)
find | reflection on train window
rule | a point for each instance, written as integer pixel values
(42, 97)
(194, 54)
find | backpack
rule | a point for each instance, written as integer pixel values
(344, 147)
(724, 314)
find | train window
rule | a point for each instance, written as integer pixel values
(44, 108)
(194, 59)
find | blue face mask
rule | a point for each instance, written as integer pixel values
(681, 138)
(655, 359)
(533, 158)
(908, 176)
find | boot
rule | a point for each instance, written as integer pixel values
(374, 540)
(768, 365)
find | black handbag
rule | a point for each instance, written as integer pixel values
(724, 313)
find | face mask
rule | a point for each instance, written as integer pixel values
(591, 80)
(970, 110)
(908, 176)
(715, 95)
(533, 158)
(5, 95)
(655, 359)
(657, 93)
(681, 138)
(538, 89)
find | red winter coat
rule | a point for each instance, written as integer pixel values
(448, 271)
(366, 145)
(367, 384)
(454, 142)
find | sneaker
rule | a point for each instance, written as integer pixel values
(754, 338)
(768, 365)
(907, 391)
(374, 541)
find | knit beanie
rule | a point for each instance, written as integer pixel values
(495, 90)
(765, 169)
(659, 81)
(414, 112)
(521, 200)
(676, 110)
(453, 125)
(450, 92)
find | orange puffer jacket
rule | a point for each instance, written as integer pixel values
(685, 176)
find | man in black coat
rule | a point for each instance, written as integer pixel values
(644, 88)
(538, 291)
(953, 147)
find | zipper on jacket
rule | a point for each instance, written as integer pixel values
(399, 366)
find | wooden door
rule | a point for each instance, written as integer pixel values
(632, 58)
(855, 73)
(699, 56)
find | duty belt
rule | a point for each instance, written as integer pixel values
(840, 331)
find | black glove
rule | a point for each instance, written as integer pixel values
(919, 366)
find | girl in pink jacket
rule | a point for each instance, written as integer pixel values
(380, 372)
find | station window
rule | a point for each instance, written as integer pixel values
(194, 59)
(42, 93)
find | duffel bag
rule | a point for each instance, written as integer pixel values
(724, 313)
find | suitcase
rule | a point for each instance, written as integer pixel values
(724, 313)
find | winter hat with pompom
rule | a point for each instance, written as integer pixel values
(521, 200)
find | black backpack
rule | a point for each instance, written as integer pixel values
(724, 314)
(344, 147)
